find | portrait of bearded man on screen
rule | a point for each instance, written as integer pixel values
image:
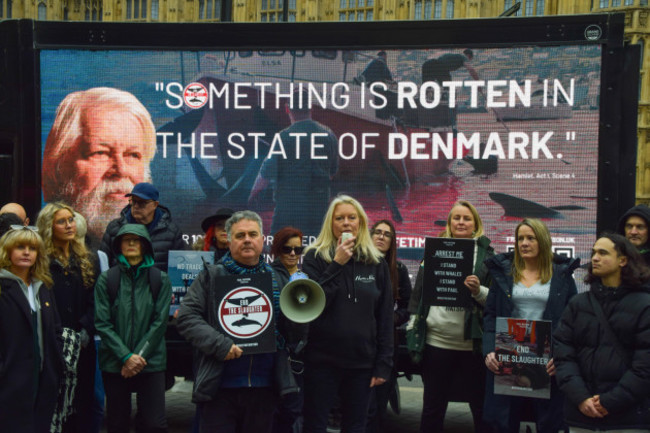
(100, 146)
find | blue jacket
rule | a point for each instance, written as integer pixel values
(499, 304)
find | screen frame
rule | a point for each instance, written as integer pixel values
(24, 39)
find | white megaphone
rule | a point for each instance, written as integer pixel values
(302, 300)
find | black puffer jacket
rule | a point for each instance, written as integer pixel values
(588, 363)
(165, 236)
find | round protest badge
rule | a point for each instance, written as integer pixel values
(245, 312)
(195, 95)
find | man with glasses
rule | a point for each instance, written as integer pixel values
(144, 208)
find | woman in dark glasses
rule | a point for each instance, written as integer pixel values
(286, 250)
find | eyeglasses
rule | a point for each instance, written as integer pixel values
(19, 227)
(139, 203)
(286, 249)
(64, 221)
(380, 233)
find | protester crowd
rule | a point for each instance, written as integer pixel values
(58, 296)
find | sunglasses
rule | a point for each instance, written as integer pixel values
(19, 227)
(287, 250)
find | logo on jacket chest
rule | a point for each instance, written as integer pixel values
(365, 279)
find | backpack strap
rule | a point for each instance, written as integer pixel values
(155, 282)
(113, 283)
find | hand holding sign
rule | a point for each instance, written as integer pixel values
(233, 353)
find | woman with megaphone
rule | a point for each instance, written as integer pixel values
(350, 346)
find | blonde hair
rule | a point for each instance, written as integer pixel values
(545, 256)
(325, 244)
(45, 222)
(478, 223)
(40, 270)
(68, 129)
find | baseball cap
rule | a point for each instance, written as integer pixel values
(145, 191)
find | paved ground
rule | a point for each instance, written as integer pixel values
(180, 410)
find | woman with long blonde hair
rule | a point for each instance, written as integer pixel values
(534, 284)
(452, 365)
(74, 272)
(29, 327)
(350, 347)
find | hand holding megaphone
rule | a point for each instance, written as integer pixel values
(302, 300)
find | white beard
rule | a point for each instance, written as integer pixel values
(96, 206)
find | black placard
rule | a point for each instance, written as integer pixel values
(245, 311)
(447, 262)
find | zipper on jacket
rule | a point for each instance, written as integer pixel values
(132, 308)
(250, 370)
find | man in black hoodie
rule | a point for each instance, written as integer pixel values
(601, 347)
(634, 226)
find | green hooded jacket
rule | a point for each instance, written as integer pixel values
(133, 324)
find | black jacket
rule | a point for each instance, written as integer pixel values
(356, 328)
(75, 302)
(165, 236)
(404, 295)
(76, 306)
(499, 304)
(27, 407)
(198, 323)
(588, 363)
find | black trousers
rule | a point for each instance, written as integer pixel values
(81, 420)
(324, 385)
(239, 410)
(446, 374)
(150, 390)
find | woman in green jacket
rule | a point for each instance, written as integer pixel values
(131, 313)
